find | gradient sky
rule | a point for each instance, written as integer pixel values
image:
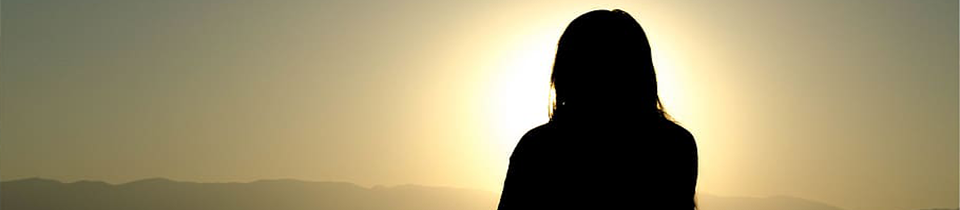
(850, 103)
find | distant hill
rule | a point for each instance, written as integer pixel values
(164, 194)
(711, 202)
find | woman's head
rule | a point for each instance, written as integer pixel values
(603, 64)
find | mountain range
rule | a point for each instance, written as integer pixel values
(288, 194)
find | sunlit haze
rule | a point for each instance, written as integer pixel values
(850, 103)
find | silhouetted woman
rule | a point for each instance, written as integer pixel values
(608, 144)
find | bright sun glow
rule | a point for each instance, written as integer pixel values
(668, 81)
(522, 94)
(522, 99)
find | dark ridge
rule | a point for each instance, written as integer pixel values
(290, 194)
(150, 181)
(34, 180)
(281, 194)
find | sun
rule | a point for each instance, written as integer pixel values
(523, 95)
(517, 93)
(522, 87)
(669, 86)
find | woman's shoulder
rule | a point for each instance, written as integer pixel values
(533, 138)
(539, 131)
(536, 134)
(678, 132)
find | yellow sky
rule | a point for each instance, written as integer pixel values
(849, 103)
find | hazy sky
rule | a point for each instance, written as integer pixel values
(849, 103)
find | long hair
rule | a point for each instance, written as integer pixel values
(604, 59)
